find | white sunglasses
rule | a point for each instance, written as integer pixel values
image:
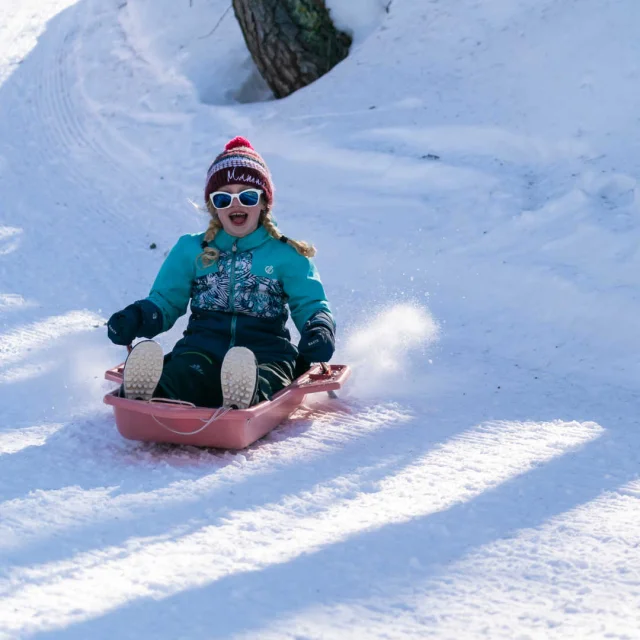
(247, 198)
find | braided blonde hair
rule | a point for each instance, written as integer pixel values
(210, 254)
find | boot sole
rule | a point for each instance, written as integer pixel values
(142, 370)
(238, 378)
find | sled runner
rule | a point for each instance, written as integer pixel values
(161, 420)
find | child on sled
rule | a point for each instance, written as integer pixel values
(240, 275)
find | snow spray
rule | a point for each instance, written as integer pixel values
(379, 353)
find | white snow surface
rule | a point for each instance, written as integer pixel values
(469, 176)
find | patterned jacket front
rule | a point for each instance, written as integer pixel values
(241, 299)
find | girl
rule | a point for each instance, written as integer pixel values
(239, 276)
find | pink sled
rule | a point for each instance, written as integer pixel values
(167, 421)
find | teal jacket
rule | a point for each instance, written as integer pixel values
(239, 300)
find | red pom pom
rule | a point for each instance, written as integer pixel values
(238, 141)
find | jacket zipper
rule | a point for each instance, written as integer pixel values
(232, 289)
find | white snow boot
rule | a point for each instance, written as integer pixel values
(239, 378)
(142, 370)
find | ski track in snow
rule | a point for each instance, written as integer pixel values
(479, 477)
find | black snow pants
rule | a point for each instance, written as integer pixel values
(194, 377)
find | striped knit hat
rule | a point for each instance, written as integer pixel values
(239, 163)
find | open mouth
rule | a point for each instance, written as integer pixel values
(238, 219)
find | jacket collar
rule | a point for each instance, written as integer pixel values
(225, 242)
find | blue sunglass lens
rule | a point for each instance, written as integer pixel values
(221, 200)
(249, 198)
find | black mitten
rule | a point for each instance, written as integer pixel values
(140, 319)
(317, 338)
(123, 325)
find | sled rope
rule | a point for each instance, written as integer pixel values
(217, 414)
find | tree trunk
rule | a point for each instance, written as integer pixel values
(292, 42)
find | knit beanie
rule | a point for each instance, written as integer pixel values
(239, 163)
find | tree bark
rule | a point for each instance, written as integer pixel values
(292, 42)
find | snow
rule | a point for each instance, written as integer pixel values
(469, 176)
(358, 18)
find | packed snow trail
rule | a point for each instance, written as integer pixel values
(477, 228)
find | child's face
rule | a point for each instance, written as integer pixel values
(239, 220)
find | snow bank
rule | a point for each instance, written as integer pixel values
(199, 41)
(358, 18)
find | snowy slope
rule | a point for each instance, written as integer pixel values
(469, 176)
